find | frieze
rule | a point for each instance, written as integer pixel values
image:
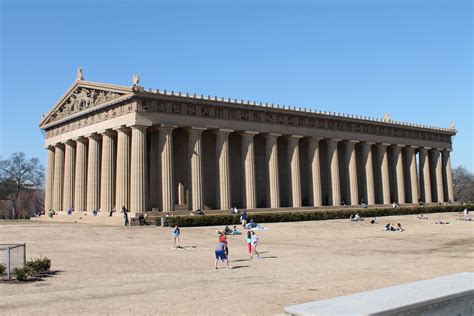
(309, 121)
(90, 119)
(81, 99)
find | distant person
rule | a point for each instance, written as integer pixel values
(176, 235)
(421, 203)
(466, 214)
(422, 216)
(112, 212)
(220, 254)
(125, 215)
(70, 210)
(236, 231)
(399, 228)
(441, 222)
(395, 205)
(248, 240)
(254, 239)
(243, 218)
(373, 221)
(343, 201)
(228, 231)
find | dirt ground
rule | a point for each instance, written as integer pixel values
(121, 270)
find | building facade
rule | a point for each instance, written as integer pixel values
(110, 146)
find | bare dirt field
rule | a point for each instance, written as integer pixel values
(122, 270)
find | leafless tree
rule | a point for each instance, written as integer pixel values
(18, 175)
(463, 183)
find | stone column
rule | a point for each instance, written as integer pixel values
(138, 170)
(223, 170)
(248, 157)
(93, 173)
(80, 184)
(413, 180)
(398, 160)
(315, 195)
(448, 173)
(351, 158)
(195, 158)
(273, 184)
(369, 171)
(155, 169)
(436, 165)
(165, 149)
(49, 187)
(294, 158)
(122, 188)
(107, 183)
(58, 177)
(333, 159)
(425, 179)
(69, 166)
(383, 160)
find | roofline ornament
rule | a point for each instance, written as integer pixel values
(79, 74)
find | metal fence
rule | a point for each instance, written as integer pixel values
(12, 256)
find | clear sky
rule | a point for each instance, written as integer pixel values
(412, 59)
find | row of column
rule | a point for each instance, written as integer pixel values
(91, 173)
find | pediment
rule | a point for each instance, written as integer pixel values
(83, 96)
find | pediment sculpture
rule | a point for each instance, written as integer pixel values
(82, 99)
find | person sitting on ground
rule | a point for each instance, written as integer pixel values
(236, 231)
(70, 210)
(94, 212)
(243, 218)
(396, 205)
(441, 222)
(422, 216)
(228, 231)
(421, 203)
(355, 218)
(389, 228)
(251, 224)
(399, 228)
(373, 221)
(51, 213)
(236, 211)
(112, 212)
(199, 212)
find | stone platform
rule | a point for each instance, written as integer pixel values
(448, 295)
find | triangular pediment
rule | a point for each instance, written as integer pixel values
(83, 96)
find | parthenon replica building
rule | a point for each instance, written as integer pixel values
(110, 146)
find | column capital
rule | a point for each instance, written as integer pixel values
(123, 129)
(59, 145)
(314, 138)
(107, 132)
(93, 136)
(70, 142)
(336, 140)
(271, 135)
(351, 141)
(253, 133)
(142, 128)
(223, 130)
(383, 144)
(398, 145)
(423, 147)
(294, 136)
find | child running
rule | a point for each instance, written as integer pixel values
(254, 239)
(248, 240)
(220, 254)
(176, 234)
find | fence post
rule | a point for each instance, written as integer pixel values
(8, 261)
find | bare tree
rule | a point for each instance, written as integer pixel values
(463, 183)
(18, 174)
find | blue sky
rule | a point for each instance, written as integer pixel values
(412, 59)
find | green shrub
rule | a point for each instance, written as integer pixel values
(224, 219)
(39, 265)
(3, 268)
(22, 274)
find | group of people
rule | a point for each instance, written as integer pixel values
(391, 228)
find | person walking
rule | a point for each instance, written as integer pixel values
(220, 254)
(125, 215)
(254, 241)
(248, 240)
(176, 234)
